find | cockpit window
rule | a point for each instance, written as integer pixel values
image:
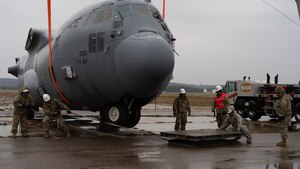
(124, 11)
(108, 15)
(140, 10)
(100, 14)
(91, 17)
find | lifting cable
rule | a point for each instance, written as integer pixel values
(281, 13)
(50, 55)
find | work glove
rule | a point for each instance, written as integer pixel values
(189, 114)
(69, 112)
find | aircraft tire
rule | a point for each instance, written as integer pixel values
(134, 118)
(103, 114)
(117, 114)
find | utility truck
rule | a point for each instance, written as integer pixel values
(254, 99)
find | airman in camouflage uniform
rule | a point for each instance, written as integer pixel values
(237, 122)
(284, 112)
(52, 109)
(181, 107)
(220, 104)
(22, 103)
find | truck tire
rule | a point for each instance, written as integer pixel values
(254, 115)
(243, 113)
(297, 112)
(273, 116)
(239, 104)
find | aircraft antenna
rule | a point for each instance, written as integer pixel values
(50, 54)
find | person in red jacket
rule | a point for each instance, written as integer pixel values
(220, 105)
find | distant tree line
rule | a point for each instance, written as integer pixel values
(8, 84)
(11, 84)
(190, 88)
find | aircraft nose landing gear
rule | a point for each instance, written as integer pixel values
(120, 115)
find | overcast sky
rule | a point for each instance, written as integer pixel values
(217, 40)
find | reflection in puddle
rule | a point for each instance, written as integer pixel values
(150, 156)
(88, 127)
(5, 130)
(4, 155)
(283, 165)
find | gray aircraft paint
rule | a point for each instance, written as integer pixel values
(123, 61)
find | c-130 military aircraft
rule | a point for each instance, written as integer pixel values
(114, 57)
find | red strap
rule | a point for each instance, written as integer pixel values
(50, 54)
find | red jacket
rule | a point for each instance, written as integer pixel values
(220, 101)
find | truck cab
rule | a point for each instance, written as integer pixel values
(243, 95)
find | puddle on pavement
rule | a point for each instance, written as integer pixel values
(282, 165)
(153, 124)
(5, 130)
(150, 156)
(83, 122)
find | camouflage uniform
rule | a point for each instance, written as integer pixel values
(181, 107)
(221, 113)
(238, 123)
(52, 111)
(284, 112)
(22, 104)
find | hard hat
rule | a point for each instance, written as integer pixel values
(46, 97)
(25, 90)
(182, 91)
(230, 109)
(218, 88)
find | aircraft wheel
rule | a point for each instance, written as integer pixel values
(117, 114)
(134, 118)
(254, 115)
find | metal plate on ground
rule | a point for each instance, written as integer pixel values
(200, 135)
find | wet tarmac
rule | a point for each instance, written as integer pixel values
(142, 147)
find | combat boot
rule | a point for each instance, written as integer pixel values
(282, 143)
(68, 134)
(47, 135)
(14, 135)
(24, 135)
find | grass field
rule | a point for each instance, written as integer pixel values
(6, 99)
(196, 99)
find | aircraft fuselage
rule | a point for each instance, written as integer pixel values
(114, 56)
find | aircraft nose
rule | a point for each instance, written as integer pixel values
(144, 64)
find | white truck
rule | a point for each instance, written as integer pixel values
(255, 99)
